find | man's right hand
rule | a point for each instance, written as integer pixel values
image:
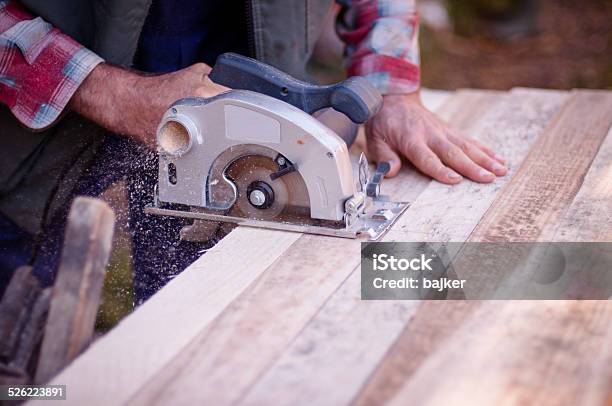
(132, 104)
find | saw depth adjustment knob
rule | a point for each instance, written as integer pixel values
(260, 195)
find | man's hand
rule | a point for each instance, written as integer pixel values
(133, 104)
(404, 127)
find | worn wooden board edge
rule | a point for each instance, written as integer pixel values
(78, 285)
(27, 354)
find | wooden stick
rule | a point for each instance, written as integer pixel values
(76, 293)
(32, 334)
(16, 303)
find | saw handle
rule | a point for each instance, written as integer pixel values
(355, 97)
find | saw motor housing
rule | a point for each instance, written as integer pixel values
(197, 135)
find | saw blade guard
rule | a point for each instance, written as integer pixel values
(198, 138)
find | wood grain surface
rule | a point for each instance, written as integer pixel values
(511, 352)
(271, 317)
(514, 124)
(548, 180)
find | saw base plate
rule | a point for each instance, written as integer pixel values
(372, 225)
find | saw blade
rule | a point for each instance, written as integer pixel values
(290, 202)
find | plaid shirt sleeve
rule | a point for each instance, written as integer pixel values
(382, 43)
(40, 68)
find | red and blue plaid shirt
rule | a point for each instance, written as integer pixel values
(41, 68)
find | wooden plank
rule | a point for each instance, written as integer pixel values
(335, 352)
(414, 346)
(530, 352)
(546, 184)
(76, 291)
(552, 174)
(224, 359)
(184, 307)
(520, 352)
(356, 334)
(589, 218)
(32, 334)
(17, 301)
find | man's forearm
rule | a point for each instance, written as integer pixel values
(108, 96)
(132, 103)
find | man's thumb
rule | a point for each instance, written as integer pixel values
(381, 151)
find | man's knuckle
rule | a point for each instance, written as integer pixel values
(412, 145)
(465, 146)
(452, 152)
(429, 162)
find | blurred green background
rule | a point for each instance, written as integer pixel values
(490, 44)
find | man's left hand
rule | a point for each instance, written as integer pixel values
(404, 127)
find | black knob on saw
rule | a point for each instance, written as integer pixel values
(260, 195)
(355, 97)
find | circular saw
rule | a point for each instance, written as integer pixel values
(272, 153)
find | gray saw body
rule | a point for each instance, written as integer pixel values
(253, 159)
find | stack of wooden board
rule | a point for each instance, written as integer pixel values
(269, 317)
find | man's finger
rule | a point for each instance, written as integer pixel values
(456, 158)
(488, 151)
(477, 155)
(428, 162)
(379, 150)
